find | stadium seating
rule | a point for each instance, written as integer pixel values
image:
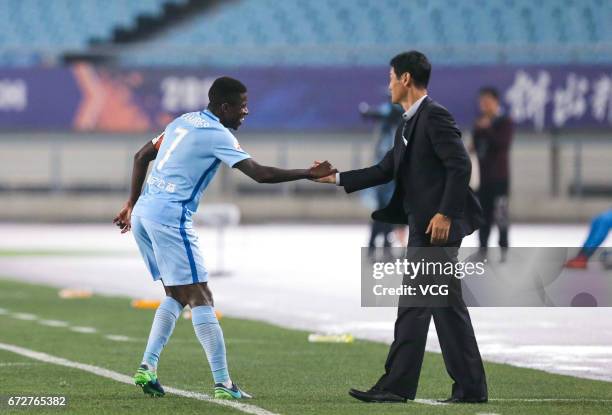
(324, 32)
(35, 30)
(366, 32)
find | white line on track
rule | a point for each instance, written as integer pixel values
(109, 374)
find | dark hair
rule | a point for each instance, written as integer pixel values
(416, 64)
(489, 90)
(225, 89)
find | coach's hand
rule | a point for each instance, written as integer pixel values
(124, 218)
(438, 229)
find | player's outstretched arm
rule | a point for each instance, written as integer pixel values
(266, 174)
(142, 158)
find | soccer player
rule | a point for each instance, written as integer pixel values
(191, 149)
(600, 226)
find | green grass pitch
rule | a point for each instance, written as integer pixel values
(286, 374)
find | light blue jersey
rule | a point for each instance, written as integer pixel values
(193, 146)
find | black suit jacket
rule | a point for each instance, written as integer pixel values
(435, 177)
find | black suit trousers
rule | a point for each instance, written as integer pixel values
(457, 341)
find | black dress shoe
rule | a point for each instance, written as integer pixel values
(376, 395)
(465, 400)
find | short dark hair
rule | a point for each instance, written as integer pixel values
(489, 90)
(415, 63)
(225, 89)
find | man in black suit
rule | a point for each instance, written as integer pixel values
(432, 169)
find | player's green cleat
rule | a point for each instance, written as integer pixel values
(147, 380)
(221, 392)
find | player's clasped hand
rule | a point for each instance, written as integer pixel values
(330, 177)
(123, 218)
(320, 170)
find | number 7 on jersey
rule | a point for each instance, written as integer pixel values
(179, 134)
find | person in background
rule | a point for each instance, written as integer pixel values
(492, 135)
(389, 117)
(600, 227)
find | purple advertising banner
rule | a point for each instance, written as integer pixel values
(38, 99)
(87, 98)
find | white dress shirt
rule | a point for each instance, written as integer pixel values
(406, 116)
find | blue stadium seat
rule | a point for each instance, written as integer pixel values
(321, 32)
(33, 30)
(368, 32)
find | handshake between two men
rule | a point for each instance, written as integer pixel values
(438, 228)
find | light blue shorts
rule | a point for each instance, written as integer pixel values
(171, 254)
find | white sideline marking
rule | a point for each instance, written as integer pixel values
(5, 364)
(25, 316)
(117, 337)
(550, 400)
(109, 374)
(430, 402)
(53, 323)
(80, 329)
(60, 323)
(594, 400)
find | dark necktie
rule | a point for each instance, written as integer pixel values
(406, 129)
